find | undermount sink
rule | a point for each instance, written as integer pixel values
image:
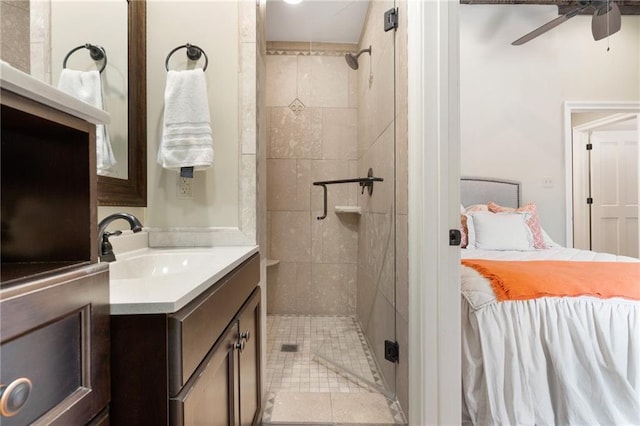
(154, 280)
(155, 263)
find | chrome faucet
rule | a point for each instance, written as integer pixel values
(106, 250)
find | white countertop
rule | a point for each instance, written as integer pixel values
(20, 83)
(170, 292)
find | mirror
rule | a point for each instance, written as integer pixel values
(49, 36)
(132, 191)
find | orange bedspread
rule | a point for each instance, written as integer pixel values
(521, 280)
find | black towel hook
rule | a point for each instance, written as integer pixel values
(96, 52)
(193, 53)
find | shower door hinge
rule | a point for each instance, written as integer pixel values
(391, 351)
(391, 19)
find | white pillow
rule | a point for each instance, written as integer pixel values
(468, 211)
(548, 241)
(502, 231)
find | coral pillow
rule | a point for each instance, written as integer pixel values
(464, 231)
(467, 239)
(532, 221)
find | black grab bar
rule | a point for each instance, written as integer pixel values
(365, 182)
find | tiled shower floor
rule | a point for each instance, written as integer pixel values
(304, 388)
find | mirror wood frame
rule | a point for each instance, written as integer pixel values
(133, 190)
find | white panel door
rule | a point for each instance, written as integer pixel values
(614, 189)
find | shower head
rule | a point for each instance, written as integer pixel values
(352, 60)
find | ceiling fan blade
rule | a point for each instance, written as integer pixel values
(606, 21)
(548, 26)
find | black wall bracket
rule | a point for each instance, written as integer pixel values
(391, 19)
(391, 351)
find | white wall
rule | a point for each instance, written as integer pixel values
(512, 96)
(213, 26)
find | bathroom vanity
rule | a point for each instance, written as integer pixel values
(54, 296)
(199, 361)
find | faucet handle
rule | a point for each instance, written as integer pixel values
(106, 250)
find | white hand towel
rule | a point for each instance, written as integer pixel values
(86, 86)
(186, 133)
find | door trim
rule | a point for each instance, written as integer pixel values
(569, 108)
(434, 193)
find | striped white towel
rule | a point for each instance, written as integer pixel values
(186, 133)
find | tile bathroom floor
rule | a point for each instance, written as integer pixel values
(303, 388)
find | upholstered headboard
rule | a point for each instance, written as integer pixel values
(479, 190)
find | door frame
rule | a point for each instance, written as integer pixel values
(569, 108)
(581, 169)
(433, 56)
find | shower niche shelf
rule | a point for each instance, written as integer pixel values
(272, 262)
(348, 210)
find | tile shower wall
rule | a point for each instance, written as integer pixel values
(312, 134)
(15, 45)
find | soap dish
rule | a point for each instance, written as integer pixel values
(348, 210)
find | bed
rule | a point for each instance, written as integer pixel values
(563, 360)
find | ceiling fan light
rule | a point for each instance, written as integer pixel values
(606, 21)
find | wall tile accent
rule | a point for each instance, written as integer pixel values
(296, 106)
(310, 48)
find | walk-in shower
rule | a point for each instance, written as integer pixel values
(352, 60)
(336, 338)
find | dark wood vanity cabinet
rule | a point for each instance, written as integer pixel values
(227, 389)
(197, 366)
(54, 296)
(55, 334)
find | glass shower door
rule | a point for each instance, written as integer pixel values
(362, 347)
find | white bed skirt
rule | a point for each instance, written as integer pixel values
(548, 361)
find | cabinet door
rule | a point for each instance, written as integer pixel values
(54, 340)
(208, 398)
(249, 368)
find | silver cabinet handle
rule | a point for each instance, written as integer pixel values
(246, 335)
(239, 346)
(14, 396)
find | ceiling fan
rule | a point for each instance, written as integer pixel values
(605, 21)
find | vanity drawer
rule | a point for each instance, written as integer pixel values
(195, 328)
(55, 336)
